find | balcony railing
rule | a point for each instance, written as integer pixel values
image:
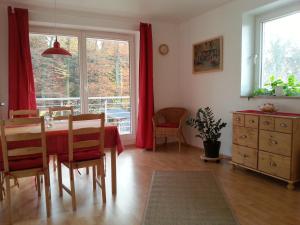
(117, 109)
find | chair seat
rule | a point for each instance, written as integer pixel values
(81, 156)
(168, 125)
(23, 164)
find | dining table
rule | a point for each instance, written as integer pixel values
(57, 140)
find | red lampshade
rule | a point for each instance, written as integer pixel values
(56, 50)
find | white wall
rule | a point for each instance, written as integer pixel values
(220, 90)
(174, 83)
(165, 67)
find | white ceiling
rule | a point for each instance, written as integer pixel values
(165, 10)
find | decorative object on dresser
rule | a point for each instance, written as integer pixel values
(268, 107)
(209, 131)
(268, 143)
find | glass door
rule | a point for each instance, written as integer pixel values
(108, 81)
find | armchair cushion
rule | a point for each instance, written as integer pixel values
(81, 156)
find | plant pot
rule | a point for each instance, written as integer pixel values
(212, 148)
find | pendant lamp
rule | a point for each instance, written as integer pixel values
(56, 49)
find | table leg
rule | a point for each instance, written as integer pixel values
(113, 170)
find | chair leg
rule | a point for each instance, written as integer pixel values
(87, 171)
(183, 137)
(8, 199)
(1, 187)
(47, 192)
(179, 142)
(59, 178)
(94, 178)
(154, 143)
(72, 187)
(103, 185)
(54, 162)
(38, 184)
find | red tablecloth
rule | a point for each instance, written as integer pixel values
(57, 141)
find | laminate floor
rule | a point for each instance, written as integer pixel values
(255, 199)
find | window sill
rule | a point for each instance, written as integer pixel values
(271, 97)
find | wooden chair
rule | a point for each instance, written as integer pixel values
(24, 113)
(84, 151)
(1, 184)
(168, 122)
(26, 161)
(61, 112)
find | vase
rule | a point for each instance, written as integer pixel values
(212, 149)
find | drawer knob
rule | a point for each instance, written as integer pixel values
(266, 123)
(251, 121)
(246, 156)
(243, 137)
(283, 125)
(273, 142)
(273, 164)
(238, 119)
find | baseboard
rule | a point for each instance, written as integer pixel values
(130, 146)
(227, 157)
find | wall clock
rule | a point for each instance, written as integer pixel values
(163, 49)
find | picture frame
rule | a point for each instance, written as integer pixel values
(208, 55)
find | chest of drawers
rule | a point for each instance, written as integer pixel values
(267, 143)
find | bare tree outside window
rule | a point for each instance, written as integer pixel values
(281, 48)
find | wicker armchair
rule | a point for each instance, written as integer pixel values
(168, 122)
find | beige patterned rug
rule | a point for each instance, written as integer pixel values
(186, 198)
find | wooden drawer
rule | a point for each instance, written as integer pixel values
(266, 123)
(238, 119)
(275, 142)
(283, 125)
(251, 121)
(244, 156)
(274, 164)
(244, 136)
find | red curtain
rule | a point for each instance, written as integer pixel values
(21, 81)
(144, 136)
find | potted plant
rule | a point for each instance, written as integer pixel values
(208, 130)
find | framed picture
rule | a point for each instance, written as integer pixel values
(208, 56)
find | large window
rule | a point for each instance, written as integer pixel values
(57, 81)
(278, 54)
(97, 78)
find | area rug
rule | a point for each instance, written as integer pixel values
(187, 198)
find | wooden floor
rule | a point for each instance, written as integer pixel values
(255, 199)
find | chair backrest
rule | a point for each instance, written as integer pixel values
(24, 113)
(35, 141)
(90, 126)
(61, 112)
(171, 114)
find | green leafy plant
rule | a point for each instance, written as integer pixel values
(208, 128)
(291, 87)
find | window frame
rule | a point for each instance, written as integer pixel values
(263, 18)
(82, 35)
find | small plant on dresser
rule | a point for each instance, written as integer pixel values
(209, 130)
